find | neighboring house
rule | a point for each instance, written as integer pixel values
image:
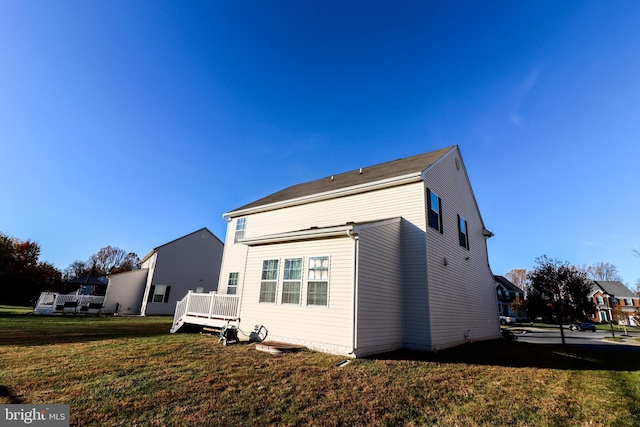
(507, 293)
(608, 294)
(191, 262)
(373, 260)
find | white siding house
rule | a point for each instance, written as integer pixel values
(167, 272)
(380, 258)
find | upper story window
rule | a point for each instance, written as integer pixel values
(628, 301)
(291, 280)
(269, 280)
(240, 226)
(600, 300)
(318, 285)
(434, 210)
(232, 284)
(499, 293)
(463, 236)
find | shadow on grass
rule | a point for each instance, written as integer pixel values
(613, 357)
(29, 330)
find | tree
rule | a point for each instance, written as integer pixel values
(519, 306)
(22, 275)
(75, 269)
(518, 276)
(110, 260)
(558, 290)
(619, 316)
(604, 271)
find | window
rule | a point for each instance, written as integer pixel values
(499, 293)
(435, 210)
(600, 300)
(318, 285)
(232, 284)
(269, 281)
(292, 277)
(240, 226)
(627, 301)
(463, 236)
(159, 293)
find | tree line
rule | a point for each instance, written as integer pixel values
(23, 276)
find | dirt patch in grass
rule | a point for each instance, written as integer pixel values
(151, 379)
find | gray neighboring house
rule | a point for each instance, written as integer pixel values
(191, 262)
(608, 294)
(507, 293)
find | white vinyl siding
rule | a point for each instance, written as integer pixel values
(407, 201)
(379, 313)
(321, 328)
(462, 292)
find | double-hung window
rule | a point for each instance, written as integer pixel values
(232, 284)
(463, 235)
(269, 280)
(241, 224)
(159, 293)
(434, 210)
(318, 284)
(628, 301)
(291, 280)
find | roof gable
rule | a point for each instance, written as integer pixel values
(616, 289)
(202, 230)
(507, 284)
(383, 171)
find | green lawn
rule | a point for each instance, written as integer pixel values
(131, 371)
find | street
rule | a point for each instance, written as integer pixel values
(552, 336)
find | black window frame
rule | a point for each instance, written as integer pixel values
(463, 236)
(434, 218)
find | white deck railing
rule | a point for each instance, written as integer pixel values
(53, 302)
(209, 306)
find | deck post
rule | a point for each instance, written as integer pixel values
(213, 297)
(186, 311)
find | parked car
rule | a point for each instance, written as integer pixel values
(583, 326)
(507, 319)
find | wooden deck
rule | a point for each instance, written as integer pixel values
(206, 309)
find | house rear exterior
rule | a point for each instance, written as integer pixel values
(377, 259)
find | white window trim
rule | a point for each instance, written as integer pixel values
(237, 281)
(277, 280)
(301, 281)
(306, 294)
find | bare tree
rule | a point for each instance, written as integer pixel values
(604, 271)
(518, 276)
(110, 260)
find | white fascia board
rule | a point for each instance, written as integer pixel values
(363, 188)
(291, 236)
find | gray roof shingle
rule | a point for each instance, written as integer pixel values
(352, 178)
(615, 288)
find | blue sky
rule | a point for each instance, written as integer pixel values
(133, 123)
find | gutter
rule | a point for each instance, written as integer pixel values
(354, 331)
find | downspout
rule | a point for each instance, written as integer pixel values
(354, 328)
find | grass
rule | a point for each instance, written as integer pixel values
(132, 372)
